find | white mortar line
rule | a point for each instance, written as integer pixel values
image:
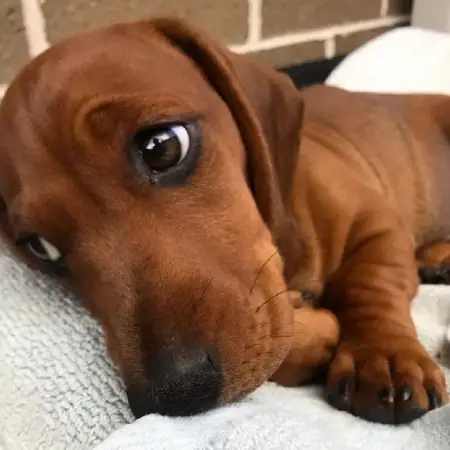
(254, 21)
(384, 8)
(3, 88)
(330, 47)
(319, 34)
(34, 23)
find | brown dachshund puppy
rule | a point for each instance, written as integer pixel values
(188, 194)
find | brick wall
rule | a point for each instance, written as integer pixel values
(279, 32)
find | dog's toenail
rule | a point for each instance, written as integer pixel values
(344, 387)
(387, 395)
(406, 393)
(434, 399)
(340, 394)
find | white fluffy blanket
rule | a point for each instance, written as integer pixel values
(58, 389)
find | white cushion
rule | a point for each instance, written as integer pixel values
(402, 60)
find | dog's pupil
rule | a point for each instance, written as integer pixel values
(161, 151)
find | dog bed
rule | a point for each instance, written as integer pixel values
(59, 390)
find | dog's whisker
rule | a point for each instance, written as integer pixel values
(312, 280)
(257, 325)
(270, 299)
(260, 271)
(206, 288)
(198, 305)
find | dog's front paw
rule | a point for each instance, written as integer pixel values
(394, 384)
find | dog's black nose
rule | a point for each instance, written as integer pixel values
(185, 384)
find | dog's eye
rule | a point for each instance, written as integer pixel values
(41, 248)
(163, 148)
(166, 154)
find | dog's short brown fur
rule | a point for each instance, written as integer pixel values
(320, 191)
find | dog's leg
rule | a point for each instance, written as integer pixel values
(433, 263)
(380, 371)
(315, 337)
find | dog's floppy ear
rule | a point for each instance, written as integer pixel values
(266, 106)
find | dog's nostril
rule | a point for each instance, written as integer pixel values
(182, 385)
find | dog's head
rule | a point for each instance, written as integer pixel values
(152, 168)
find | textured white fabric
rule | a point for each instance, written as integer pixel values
(58, 389)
